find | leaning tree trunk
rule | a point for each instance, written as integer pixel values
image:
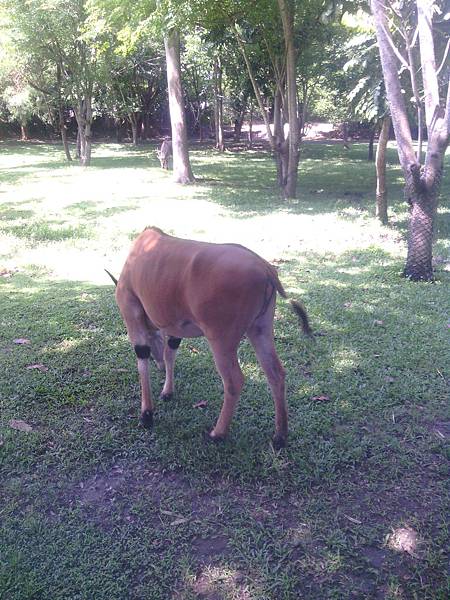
(380, 164)
(182, 172)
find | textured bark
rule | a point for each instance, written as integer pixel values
(370, 153)
(83, 114)
(380, 164)
(290, 188)
(182, 172)
(218, 105)
(62, 124)
(420, 233)
(422, 183)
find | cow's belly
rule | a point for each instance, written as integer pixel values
(183, 329)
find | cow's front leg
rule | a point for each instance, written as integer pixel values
(228, 366)
(170, 352)
(143, 355)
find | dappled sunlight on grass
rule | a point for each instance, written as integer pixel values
(367, 397)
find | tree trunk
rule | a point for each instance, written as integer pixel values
(420, 235)
(422, 183)
(287, 17)
(370, 154)
(23, 132)
(182, 172)
(86, 157)
(218, 105)
(250, 125)
(62, 123)
(134, 131)
(83, 114)
(282, 150)
(380, 164)
(63, 130)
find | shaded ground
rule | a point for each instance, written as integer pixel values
(93, 506)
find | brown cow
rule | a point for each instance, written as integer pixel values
(171, 288)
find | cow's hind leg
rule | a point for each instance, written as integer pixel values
(228, 367)
(170, 352)
(260, 335)
(140, 337)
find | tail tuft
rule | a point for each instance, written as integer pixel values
(112, 277)
(303, 317)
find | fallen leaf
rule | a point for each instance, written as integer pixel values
(352, 519)
(321, 398)
(21, 341)
(39, 367)
(179, 521)
(20, 425)
(378, 322)
(200, 404)
(348, 304)
(193, 350)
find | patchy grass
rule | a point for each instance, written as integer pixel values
(93, 506)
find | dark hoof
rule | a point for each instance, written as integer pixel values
(147, 419)
(278, 442)
(209, 439)
(166, 396)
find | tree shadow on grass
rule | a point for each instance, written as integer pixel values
(367, 318)
(361, 458)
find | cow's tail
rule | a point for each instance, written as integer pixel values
(297, 306)
(112, 277)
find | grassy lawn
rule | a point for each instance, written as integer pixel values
(92, 506)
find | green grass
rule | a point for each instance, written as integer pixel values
(93, 506)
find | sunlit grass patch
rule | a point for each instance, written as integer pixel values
(93, 505)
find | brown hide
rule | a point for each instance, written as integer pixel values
(183, 288)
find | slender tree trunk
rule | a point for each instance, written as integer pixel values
(62, 123)
(182, 171)
(83, 114)
(134, 131)
(86, 157)
(282, 149)
(380, 163)
(218, 105)
(78, 143)
(23, 132)
(370, 153)
(250, 125)
(287, 18)
(63, 130)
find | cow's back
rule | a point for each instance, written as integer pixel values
(178, 279)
